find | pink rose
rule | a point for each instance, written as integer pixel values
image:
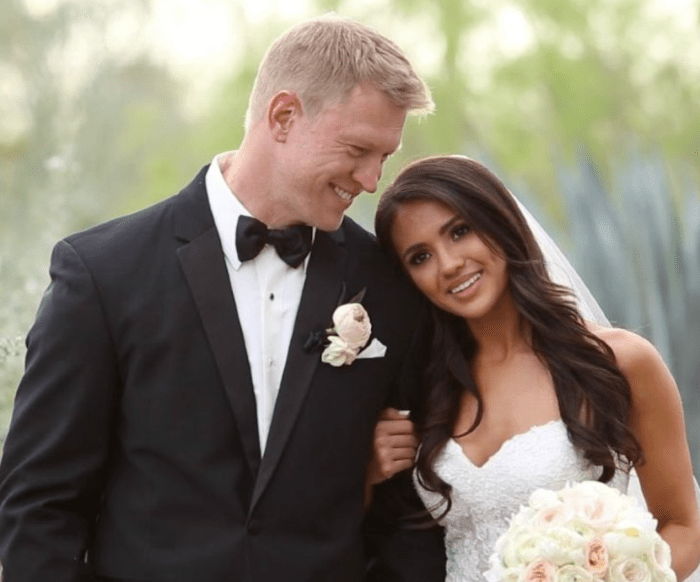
(596, 557)
(351, 323)
(554, 515)
(539, 571)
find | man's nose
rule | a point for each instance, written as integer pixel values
(368, 174)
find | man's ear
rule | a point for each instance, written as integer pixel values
(284, 108)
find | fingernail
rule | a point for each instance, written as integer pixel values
(404, 412)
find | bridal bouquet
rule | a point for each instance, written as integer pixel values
(587, 532)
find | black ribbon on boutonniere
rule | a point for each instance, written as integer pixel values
(318, 337)
(315, 342)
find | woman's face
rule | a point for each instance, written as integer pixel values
(449, 263)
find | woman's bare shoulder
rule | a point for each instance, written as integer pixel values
(639, 361)
(632, 351)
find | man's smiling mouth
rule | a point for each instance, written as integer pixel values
(345, 195)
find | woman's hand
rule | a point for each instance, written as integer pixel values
(394, 447)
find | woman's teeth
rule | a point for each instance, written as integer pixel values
(466, 284)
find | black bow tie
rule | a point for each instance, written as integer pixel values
(292, 244)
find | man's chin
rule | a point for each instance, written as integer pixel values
(330, 225)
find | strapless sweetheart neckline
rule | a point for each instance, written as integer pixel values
(506, 443)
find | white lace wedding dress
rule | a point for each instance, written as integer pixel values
(484, 498)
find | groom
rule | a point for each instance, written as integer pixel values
(176, 420)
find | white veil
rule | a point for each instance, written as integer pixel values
(561, 271)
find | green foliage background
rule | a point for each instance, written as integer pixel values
(588, 110)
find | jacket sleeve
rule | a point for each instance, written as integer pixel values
(401, 543)
(401, 546)
(54, 456)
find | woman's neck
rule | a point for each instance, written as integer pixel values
(501, 334)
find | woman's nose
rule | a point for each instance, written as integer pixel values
(450, 261)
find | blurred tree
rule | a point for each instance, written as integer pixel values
(91, 127)
(532, 81)
(218, 125)
(77, 120)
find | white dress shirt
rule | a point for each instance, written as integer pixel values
(267, 293)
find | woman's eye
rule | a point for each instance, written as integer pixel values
(460, 231)
(418, 259)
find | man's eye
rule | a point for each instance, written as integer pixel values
(356, 151)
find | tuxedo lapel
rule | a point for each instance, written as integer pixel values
(322, 290)
(204, 266)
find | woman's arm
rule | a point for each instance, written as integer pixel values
(657, 421)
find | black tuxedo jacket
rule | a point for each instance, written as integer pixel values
(133, 450)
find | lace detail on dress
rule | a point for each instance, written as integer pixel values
(484, 498)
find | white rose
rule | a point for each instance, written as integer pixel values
(597, 505)
(574, 573)
(522, 519)
(541, 498)
(351, 323)
(520, 547)
(511, 575)
(338, 353)
(630, 539)
(592, 489)
(661, 555)
(562, 546)
(637, 518)
(629, 570)
(528, 546)
(506, 549)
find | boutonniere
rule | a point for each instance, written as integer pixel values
(349, 333)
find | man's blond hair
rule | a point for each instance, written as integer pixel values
(322, 60)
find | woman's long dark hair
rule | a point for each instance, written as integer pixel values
(594, 396)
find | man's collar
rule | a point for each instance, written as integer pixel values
(226, 208)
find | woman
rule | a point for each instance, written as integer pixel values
(522, 392)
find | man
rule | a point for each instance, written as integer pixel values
(176, 420)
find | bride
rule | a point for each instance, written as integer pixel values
(522, 391)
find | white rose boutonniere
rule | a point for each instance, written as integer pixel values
(350, 333)
(351, 323)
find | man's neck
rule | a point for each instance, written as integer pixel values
(247, 177)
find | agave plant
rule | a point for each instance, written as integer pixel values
(635, 240)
